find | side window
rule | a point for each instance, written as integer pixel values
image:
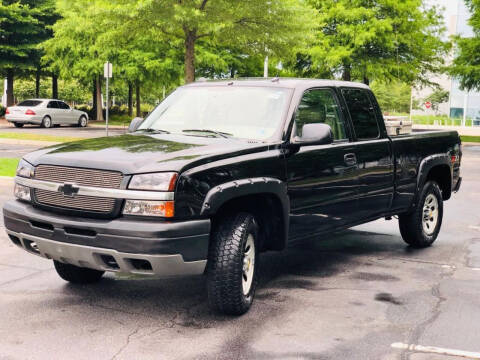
(52, 105)
(320, 106)
(62, 105)
(362, 113)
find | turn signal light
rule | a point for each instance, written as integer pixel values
(29, 112)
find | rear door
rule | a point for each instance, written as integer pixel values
(321, 183)
(372, 150)
(53, 111)
(65, 113)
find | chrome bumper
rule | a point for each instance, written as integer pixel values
(107, 259)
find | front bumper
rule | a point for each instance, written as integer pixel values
(125, 245)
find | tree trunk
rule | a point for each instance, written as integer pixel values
(37, 83)
(137, 99)
(98, 96)
(366, 80)
(130, 99)
(190, 55)
(10, 99)
(94, 95)
(347, 72)
(54, 86)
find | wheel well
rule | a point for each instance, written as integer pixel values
(267, 210)
(442, 176)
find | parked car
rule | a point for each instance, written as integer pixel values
(46, 113)
(220, 172)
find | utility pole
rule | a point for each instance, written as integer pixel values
(107, 73)
(265, 67)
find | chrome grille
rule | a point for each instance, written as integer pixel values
(85, 177)
(89, 203)
(78, 176)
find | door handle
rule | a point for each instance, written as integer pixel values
(350, 159)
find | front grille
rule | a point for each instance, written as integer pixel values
(85, 177)
(78, 176)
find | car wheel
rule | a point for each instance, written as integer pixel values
(420, 228)
(47, 122)
(232, 266)
(82, 122)
(77, 275)
(18, 125)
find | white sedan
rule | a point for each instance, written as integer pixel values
(46, 113)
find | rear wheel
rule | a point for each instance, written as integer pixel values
(420, 228)
(77, 275)
(82, 122)
(233, 264)
(18, 125)
(47, 122)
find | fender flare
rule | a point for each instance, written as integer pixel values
(221, 194)
(428, 164)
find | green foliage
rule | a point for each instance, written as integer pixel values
(392, 97)
(437, 97)
(8, 166)
(69, 90)
(466, 65)
(24, 25)
(2, 111)
(378, 39)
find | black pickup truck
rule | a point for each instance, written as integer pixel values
(222, 171)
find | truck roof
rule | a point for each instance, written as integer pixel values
(291, 83)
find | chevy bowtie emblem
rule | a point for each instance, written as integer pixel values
(69, 190)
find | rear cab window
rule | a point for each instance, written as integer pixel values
(362, 113)
(30, 103)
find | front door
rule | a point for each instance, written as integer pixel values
(322, 179)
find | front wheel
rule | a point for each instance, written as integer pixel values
(77, 275)
(420, 228)
(233, 264)
(82, 122)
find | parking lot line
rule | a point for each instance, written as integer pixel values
(436, 350)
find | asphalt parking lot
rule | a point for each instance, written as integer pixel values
(349, 296)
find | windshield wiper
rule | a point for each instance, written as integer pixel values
(218, 133)
(154, 131)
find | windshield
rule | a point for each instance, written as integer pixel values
(243, 112)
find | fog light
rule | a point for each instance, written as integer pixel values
(22, 192)
(149, 208)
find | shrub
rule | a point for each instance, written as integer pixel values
(2, 111)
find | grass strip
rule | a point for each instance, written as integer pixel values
(37, 137)
(8, 166)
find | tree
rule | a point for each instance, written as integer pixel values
(255, 26)
(466, 65)
(437, 97)
(378, 39)
(24, 25)
(392, 97)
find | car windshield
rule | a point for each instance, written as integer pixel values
(30, 103)
(243, 112)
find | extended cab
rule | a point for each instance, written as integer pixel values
(222, 171)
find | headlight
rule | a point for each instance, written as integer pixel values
(149, 208)
(22, 192)
(25, 169)
(157, 181)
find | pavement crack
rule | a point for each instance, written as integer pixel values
(137, 329)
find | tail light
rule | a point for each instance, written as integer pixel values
(7, 112)
(29, 112)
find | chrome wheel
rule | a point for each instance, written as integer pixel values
(47, 122)
(430, 214)
(83, 121)
(248, 264)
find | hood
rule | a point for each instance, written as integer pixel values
(133, 154)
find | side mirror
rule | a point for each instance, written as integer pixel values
(315, 134)
(134, 124)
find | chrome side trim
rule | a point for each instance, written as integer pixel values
(98, 192)
(91, 257)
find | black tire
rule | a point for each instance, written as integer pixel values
(411, 226)
(18, 125)
(225, 268)
(77, 275)
(82, 122)
(47, 122)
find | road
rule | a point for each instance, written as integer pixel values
(348, 296)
